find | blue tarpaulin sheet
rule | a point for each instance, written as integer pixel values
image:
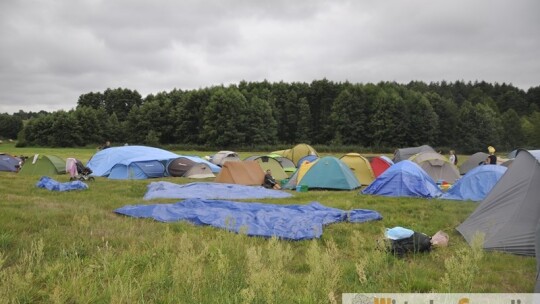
(50, 184)
(294, 222)
(210, 191)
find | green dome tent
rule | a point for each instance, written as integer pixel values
(267, 162)
(44, 165)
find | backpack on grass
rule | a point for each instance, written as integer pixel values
(418, 242)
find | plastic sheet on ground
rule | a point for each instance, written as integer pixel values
(294, 222)
(53, 185)
(210, 191)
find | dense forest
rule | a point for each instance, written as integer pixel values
(464, 116)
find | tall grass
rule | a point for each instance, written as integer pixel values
(72, 248)
(463, 267)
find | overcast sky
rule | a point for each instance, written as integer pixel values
(52, 51)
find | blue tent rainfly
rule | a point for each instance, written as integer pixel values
(404, 179)
(294, 222)
(476, 184)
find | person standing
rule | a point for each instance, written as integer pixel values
(492, 158)
(453, 157)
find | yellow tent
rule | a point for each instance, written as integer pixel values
(360, 166)
(296, 153)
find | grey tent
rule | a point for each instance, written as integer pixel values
(513, 154)
(406, 153)
(472, 162)
(436, 166)
(285, 163)
(537, 286)
(224, 156)
(185, 167)
(510, 214)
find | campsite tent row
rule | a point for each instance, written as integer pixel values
(291, 159)
(280, 162)
(131, 162)
(140, 162)
(325, 173)
(408, 178)
(434, 164)
(221, 157)
(472, 162)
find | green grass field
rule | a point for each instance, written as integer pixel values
(70, 247)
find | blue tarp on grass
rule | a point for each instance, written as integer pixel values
(294, 222)
(50, 184)
(210, 191)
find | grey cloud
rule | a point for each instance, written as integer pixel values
(53, 51)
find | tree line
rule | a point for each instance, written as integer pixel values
(463, 116)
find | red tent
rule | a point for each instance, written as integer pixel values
(379, 164)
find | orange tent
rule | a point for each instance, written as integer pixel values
(241, 172)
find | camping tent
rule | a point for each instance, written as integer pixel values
(404, 179)
(513, 154)
(130, 162)
(9, 163)
(242, 172)
(436, 166)
(360, 167)
(326, 173)
(297, 152)
(299, 174)
(137, 168)
(476, 184)
(472, 162)
(187, 167)
(307, 158)
(267, 162)
(199, 160)
(224, 156)
(44, 165)
(537, 247)
(406, 153)
(285, 163)
(379, 164)
(509, 215)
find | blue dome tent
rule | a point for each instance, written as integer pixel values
(476, 184)
(404, 179)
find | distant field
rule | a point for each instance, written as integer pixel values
(72, 248)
